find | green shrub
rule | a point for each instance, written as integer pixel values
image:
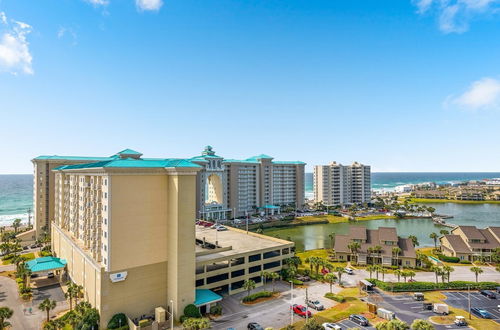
(192, 311)
(297, 282)
(257, 295)
(467, 262)
(444, 258)
(216, 309)
(117, 321)
(26, 296)
(46, 254)
(335, 297)
(430, 286)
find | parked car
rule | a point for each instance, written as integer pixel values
(315, 304)
(418, 296)
(479, 312)
(221, 228)
(301, 310)
(498, 289)
(412, 280)
(254, 326)
(359, 319)
(460, 321)
(488, 293)
(303, 278)
(427, 306)
(349, 271)
(440, 309)
(331, 326)
(50, 275)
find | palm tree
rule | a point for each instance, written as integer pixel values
(354, 247)
(332, 239)
(398, 273)
(47, 305)
(383, 271)
(378, 268)
(72, 293)
(16, 224)
(476, 271)
(370, 269)
(340, 271)
(405, 275)
(78, 292)
(434, 236)
(395, 252)
(420, 324)
(411, 274)
(249, 285)
(436, 271)
(24, 272)
(264, 276)
(73, 318)
(414, 240)
(497, 268)
(330, 278)
(5, 313)
(444, 232)
(447, 270)
(17, 260)
(273, 276)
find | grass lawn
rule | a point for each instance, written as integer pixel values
(476, 323)
(28, 256)
(428, 252)
(322, 253)
(375, 217)
(352, 305)
(430, 200)
(330, 218)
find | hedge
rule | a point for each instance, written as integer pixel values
(444, 258)
(192, 311)
(117, 321)
(430, 286)
(465, 262)
(296, 282)
(335, 297)
(257, 295)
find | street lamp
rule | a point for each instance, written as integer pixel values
(171, 314)
(468, 294)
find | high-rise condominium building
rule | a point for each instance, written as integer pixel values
(230, 188)
(337, 184)
(125, 226)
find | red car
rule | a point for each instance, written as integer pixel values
(301, 310)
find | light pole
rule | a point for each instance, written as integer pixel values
(307, 307)
(171, 314)
(468, 294)
(291, 303)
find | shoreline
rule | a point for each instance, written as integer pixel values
(454, 201)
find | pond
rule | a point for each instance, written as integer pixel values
(317, 236)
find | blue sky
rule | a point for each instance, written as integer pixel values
(401, 85)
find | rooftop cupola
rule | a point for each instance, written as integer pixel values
(208, 151)
(129, 153)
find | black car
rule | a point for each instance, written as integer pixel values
(427, 306)
(488, 293)
(359, 319)
(254, 326)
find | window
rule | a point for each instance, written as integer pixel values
(272, 264)
(105, 195)
(285, 251)
(237, 273)
(271, 254)
(105, 221)
(200, 282)
(254, 269)
(105, 261)
(254, 257)
(237, 285)
(217, 278)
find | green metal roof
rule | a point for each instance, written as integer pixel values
(45, 264)
(261, 156)
(205, 296)
(129, 152)
(56, 157)
(132, 163)
(289, 162)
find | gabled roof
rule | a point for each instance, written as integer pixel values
(45, 264)
(128, 152)
(471, 232)
(457, 243)
(388, 234)
(132, 163)
(258, 157)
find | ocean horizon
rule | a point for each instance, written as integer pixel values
(16, 190)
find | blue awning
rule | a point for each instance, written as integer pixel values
(205, 296)
(46, 264)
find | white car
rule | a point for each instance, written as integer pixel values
(349, 271)
(330, 326)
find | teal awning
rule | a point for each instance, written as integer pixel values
(271, 207)
(45, 264)
(205, 296)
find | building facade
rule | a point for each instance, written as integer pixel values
(375, 247)
(470, 243)
(126, 228)
(337, 184)
(230, 188)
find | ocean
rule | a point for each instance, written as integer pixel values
(16, 191)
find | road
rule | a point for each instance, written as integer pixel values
(273, 313)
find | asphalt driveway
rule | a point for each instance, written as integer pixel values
(460, 299)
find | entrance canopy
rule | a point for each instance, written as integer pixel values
(46, 264)
(271, 207)
(205, 297)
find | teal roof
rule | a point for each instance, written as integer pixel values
(129, 152)
(45, 264)
(261, 156)
(56, 157)
(205, 296)
(289, 162)
(132, 163)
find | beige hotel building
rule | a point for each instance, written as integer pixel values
(126, 227)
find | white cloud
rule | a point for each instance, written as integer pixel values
(15, 56)
(149, 4)
(481, 94)
(67, 32)
(98, 2)
(454, 15)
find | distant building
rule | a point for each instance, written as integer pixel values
(337, 184)
(376, 247)
(470, 243)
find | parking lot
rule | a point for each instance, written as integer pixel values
(405, 308)
(461, 300)
(347, 324)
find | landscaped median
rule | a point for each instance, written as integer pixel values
(258, 297)
(431, 286)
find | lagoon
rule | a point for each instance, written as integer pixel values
(316, 236)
